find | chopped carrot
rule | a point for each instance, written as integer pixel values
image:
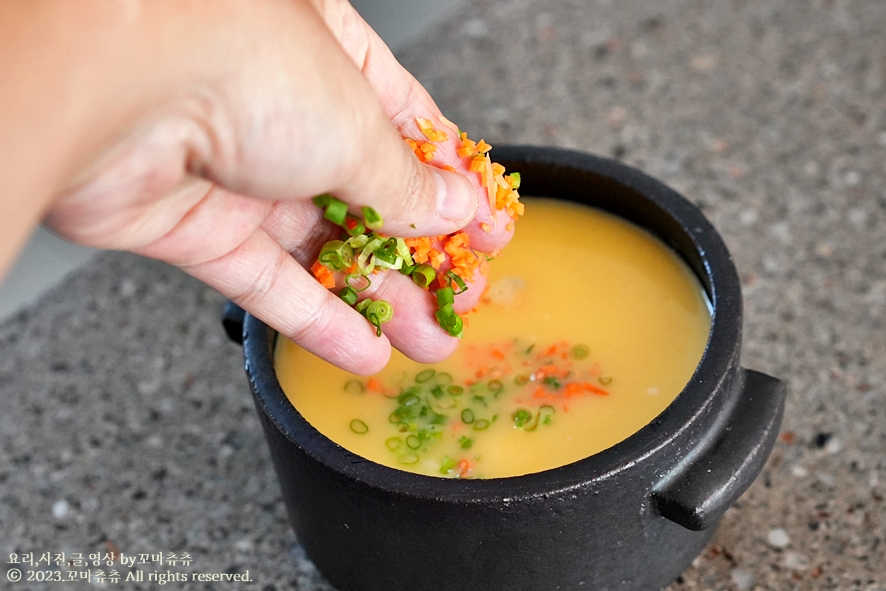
(464, 467)
(323, 275)
(426, 126)
(374, 385)
(572, 389)
(594, 389)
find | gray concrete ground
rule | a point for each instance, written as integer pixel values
(127, 422)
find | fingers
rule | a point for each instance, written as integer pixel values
(260, 276)
(404, 99)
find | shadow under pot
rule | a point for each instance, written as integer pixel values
(631, 517)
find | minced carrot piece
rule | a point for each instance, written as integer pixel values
(572, 389)
(436, 258)
(594, 389)
(323, 275)
(374, 385)
(464, 466)
(426, 126)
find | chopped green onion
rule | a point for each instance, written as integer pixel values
(322, 200)
(371, 218)
(466, 442)
(521, 417)
(357, 228)
(424, 376)
(393, 443)
(467, 416)
(381, 308)
(495, 386)
(336, 255)
(413, 442)
(408, 398)
(444, 378)
(387, 252)
(424, 275)
(521, 379)
(437, 391)
(357, 282)
(456, 390)
(409, 458)
(407, 269)
(362, 305)
(449, 320)
(605, 380)
(481, 425)
(546, 413)
(379, 312)
(459, 282)
(395, 418)
(354, 387)
(580, 351)
(359, 427)
(445, 296)
(348, 295)
(514, 180)
(447, 465)
(553, 382)
(335, 211)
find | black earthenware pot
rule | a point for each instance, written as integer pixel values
(631, 517)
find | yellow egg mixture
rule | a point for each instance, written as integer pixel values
(591, 327)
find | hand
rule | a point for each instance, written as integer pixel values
(215, 123)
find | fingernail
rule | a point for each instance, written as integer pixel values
(456, 199)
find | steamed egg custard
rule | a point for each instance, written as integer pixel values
(589, 329)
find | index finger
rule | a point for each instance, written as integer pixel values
(406, 101)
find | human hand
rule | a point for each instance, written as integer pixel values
(231, 116)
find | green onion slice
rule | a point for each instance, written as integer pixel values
(371, 218)
(579, 351)
(521, 417)
(359, 427)
(445, 296)
(383, 309)
(323, 200)
(362, 305)
(424, 275)
(458, 281)
(355, 227)
(424, 376)
(447, 465)
(357, 282)
(354, 387)
(348, 295)
(481, 424)
(336, 211)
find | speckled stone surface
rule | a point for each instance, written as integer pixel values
(126, 422)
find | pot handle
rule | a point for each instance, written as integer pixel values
(232, 321)
(712, 480)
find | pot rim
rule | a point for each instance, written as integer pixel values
(716, 271)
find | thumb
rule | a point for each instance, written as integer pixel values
(413, 198)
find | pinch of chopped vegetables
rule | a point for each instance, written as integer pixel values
(434, 263)
(519, 383)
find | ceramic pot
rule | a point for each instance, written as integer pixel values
(631, 517)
